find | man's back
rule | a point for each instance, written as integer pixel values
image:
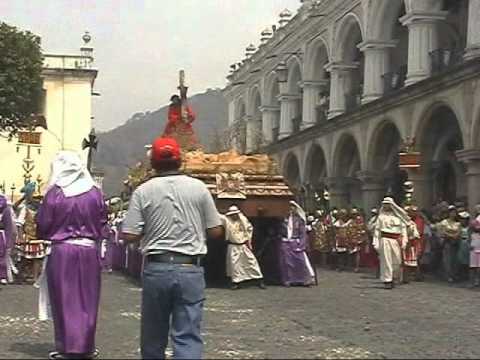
(176, 210)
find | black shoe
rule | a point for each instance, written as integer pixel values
(261, 285)
(389, 285)
(234, 287)
(55, 355)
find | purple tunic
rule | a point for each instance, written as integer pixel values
(73, 271)
(293, 268)
(7, 235)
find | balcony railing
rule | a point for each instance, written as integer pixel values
(394, 80)
(321, 113)
(276, 133)
(353, 101)
(296, 124)
(444, 59)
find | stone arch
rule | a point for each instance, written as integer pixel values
(254, 127)
(254, 99)
(385, 26)
(346, 165)
(348, 38)
(291, 171)
(295, 92)
(427, 111)
(315, 175)
(349, 34)
(383, 158)
(272, 90)
(239, 135)
(240, 109)
(346, 156)
(439, 138)
(383, 18)
(315, 164)
(380, 140)
(316, 57)
(294, 75)
(271, 100)
(453, 31)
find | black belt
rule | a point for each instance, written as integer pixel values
(175, 258)
(237, 244)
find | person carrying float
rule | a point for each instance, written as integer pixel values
(241, 262)
(295, 267)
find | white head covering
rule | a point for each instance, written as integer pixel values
(299, 210)
(397, 210)
(232, 210)
(70, 174)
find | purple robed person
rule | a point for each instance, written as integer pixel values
(295, 268)
(7, 240)
(73, 217)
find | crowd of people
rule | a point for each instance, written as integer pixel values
(410, 241)
(65, 238)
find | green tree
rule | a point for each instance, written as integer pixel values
(20, 77)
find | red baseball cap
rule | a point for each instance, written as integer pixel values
(165, 149)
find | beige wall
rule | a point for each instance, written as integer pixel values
(68, 111)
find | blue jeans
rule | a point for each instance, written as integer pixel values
(172, 294)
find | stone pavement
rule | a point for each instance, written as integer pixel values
(347, 316)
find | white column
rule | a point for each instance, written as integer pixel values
(340, 80)
(251, 134)
(377, 63)
(422, 185)
(337, 187)
(373, 189)
(471, 158)
(422, 39)
(473, 34)
(311, 91)
(288, 104)
(269, 116)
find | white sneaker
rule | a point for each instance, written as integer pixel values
(4, 282)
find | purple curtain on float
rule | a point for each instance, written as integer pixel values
(73, 271)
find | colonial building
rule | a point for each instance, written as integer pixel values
(334, 90)
(67, 110)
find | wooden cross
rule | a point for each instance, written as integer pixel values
(183, 95)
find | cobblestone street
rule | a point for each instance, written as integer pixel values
(347, 316)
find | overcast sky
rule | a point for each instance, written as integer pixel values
(141, 44)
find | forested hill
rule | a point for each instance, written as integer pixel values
(124, 146)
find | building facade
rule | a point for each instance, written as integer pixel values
(334, 91)
(67, 108)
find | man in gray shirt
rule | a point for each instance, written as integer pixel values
(171, 215)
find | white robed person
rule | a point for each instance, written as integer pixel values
(390, 237)
(241, 262)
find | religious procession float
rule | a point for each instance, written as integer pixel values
(251, 182)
